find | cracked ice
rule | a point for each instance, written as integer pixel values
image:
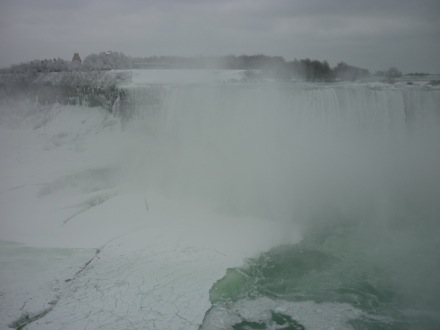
(64, 197)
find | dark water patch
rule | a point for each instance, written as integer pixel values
(249, 325)
(286, 322)
(278, 321)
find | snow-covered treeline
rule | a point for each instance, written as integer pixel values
(90, 88)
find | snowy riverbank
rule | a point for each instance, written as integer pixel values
(67, 192)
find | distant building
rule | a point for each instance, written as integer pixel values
(76, 58)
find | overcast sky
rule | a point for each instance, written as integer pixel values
(374, 34)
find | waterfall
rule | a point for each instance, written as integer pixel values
(320, 159)
(282, 150)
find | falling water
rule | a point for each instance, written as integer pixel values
(356, 167)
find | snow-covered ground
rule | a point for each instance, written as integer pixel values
(85, 246)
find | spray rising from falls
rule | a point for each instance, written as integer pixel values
(282, 152)
(357, 168)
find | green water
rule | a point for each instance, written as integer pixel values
(331, 265)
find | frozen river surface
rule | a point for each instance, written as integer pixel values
(92, 248)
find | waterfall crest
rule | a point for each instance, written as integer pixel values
(281, 150)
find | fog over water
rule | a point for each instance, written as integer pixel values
(318, 156)
(219, 180)
(354, 168)
(302, 193)
(279, 151)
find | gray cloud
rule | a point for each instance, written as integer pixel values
(373, 34)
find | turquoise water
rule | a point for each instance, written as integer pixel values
(331, 267)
